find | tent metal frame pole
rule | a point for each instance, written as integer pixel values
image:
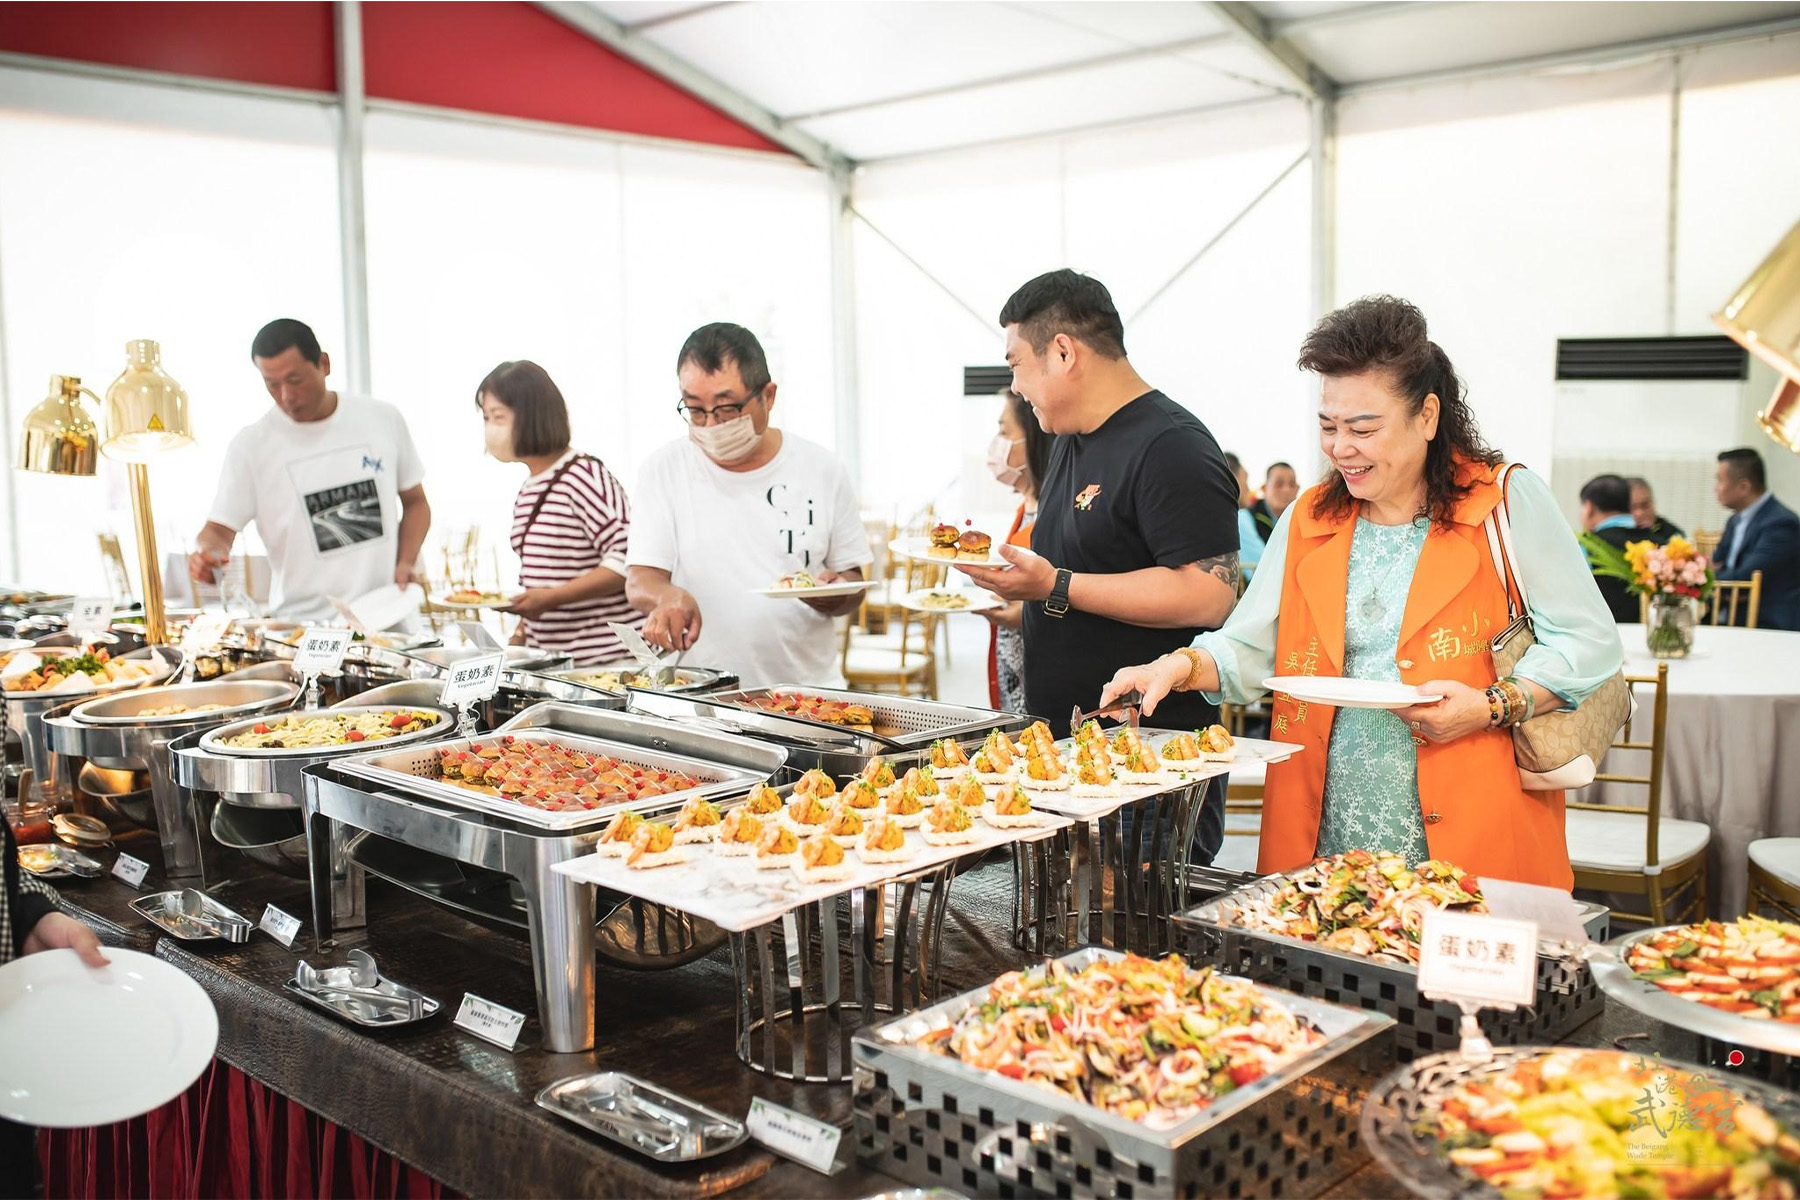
(1322, 157)
(352, 231)
(848, 404)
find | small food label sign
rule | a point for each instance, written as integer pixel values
(808, 1142)
(489, 1021)
(131, 870)
(474, 680)
(204, 631)
(280, 926)
(1478, 959)
(321, 651)
(90, 615)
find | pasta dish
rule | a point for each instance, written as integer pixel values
(330, 729)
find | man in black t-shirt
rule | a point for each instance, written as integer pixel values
(1135, 547)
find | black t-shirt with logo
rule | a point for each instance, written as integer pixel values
(1149, 488)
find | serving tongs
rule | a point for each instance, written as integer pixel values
(647, 656)
(193, 916)
(364, 986)
(1125, 706)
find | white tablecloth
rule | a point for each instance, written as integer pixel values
(1732, 748)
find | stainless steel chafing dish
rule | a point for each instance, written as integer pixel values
(495, 867)
(119, 733)
(261, 777)
(25, 711)
(438, 660)
(687, 679)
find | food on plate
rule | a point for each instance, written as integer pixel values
(1045, 770)
(777, 848)
(947, 756)
(176, 710)
(1148, 1040)
(903, 805)
(764, 801)
(860, 793)
(845, 824)
(1011, 809)
(1572, 1124)
(1093, 772)
(974, 545)
(653, 845)
(816, 783)
(967, 792)
(1750, 966)
(1216, 744)
(47, 671)
(615, 839)
(1037, 737)
(922, 780)
(942, 541)
(471, 598)
(1090, 735)
(942, 600)
(1137, 761)
(553, 777)
(331, 729)
(884, 842)
(739, 833)
(821, 860)
(1364, 902)
(949, 824)
(698, 821)
(814, 708)
(799, 579)
(614, 681)
(995, 760)
(1182, 748)
(807, 813)
(878, 772)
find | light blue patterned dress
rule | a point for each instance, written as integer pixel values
(1372, 772)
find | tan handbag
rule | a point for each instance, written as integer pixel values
(1556, 750)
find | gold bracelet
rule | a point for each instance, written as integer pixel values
(1193, 676)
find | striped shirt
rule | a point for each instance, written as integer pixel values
(582, 524)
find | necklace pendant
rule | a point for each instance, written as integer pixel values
(1372, 608)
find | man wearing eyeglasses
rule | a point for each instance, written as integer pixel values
(733, 507)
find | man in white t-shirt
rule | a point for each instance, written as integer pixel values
(733, 507)
(332, 482)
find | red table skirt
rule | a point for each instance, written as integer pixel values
(228, 1135)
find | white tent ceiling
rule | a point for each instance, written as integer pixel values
(882, 79)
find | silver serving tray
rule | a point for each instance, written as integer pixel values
(687, 679)
(67, 861)
(213, 742)
(1344, 1029)
(1395, 1115)
(907, 721)
(237, 695)
(518, 658)
(1213, 912)
(163, 910)
(1620, 983)
(411, 771)
(361, 1012)
(643, 1117)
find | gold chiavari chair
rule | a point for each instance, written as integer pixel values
(1774, 888)
(900, 660)
(1633, 849)
(1706, 541)
(1731, 594)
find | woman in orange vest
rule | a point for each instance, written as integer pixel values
(1383, 571)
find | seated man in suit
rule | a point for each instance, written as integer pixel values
(1762, 534)
(1643, 511)
(1605, 505)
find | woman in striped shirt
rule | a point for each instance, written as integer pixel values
(570, 520)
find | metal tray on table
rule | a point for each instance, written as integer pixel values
(901, 719)
(687, 679)
(1567, 995)
(936, 1121)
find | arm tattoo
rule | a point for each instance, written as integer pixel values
(1223, 567)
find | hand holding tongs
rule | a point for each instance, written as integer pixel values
(1124, 706)
(646, 654)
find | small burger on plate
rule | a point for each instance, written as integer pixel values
(974, 545)
(943, 541)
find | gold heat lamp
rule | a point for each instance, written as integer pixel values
(61, 436)
(1764, 318)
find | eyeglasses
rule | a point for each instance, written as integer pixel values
(718, 414)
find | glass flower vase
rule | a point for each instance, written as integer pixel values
(1670, 630)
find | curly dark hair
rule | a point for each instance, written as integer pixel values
(1387, 334)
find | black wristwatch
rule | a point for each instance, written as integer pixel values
(1057, 603)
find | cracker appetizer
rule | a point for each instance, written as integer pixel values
(949, 824)
(1090, 735)
(1137, 762)
(878, 772)
(821, 860)
(778, 846)
(1011, 809)
(698, 821)
(1045, 772)
(739, 833)
(1183, 748)
(807, 814)
(615, 840)
(903, 806)
(923, 781)
(845, 824)
(763, 801)
(995, 761)
(653, 845)
(884, 842)
(861, 794)
(947, 757)
(1094, 773)
(816, 783)
(1216, 744)
(968, 793)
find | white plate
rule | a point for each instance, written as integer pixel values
(444, 602)
(824, 591)
(918, 549)
(90, 1046)
(1341, 692)
(978, 601)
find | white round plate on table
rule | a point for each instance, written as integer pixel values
(918, 600)
(93, 1045)
(824, 591)
(919, 550)
(1342, 692)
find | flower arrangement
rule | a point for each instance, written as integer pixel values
(1670, 575)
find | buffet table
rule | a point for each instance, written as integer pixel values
(1729, 758)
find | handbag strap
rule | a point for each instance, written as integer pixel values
(518, 539)
(1500, 545)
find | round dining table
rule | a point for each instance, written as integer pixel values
(1731, 745)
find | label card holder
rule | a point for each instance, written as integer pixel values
(811, 1143)
(279, 925)
(90, 616)
(204, 632)
(471, 682)
(131, 870)
(489, 1021)
(321, 651)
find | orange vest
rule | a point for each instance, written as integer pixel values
(1477, 815)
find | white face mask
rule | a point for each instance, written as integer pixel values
(499, 440)
(998, 451)
(731, 442)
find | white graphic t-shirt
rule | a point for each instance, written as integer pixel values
(325, 497)
(721, 533)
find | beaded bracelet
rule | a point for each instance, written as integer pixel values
(1497, 706)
